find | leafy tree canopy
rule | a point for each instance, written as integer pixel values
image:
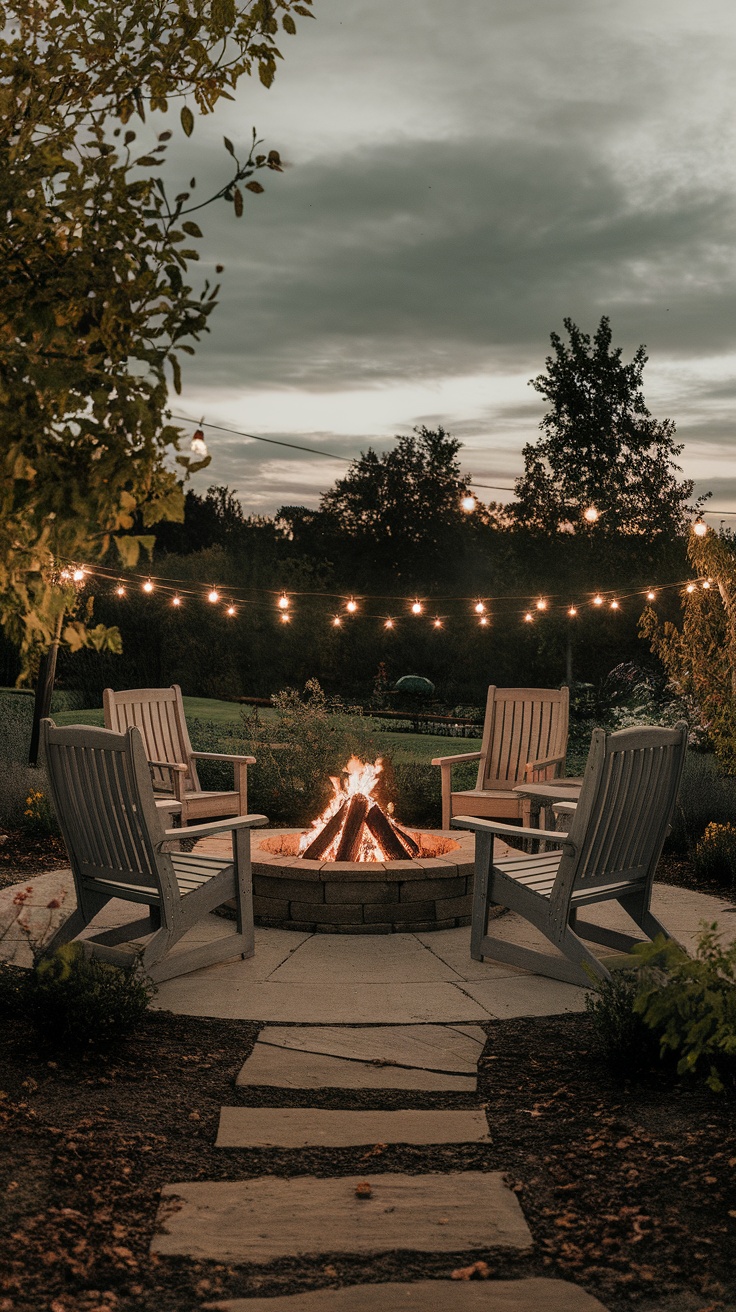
(96, 307)
(600, 447)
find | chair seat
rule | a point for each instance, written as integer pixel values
(489, 804)
(191, 869)
(538, 873)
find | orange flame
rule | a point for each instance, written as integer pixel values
(357, 777)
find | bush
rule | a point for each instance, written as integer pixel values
(690, 1003)
(706, 796)
(620, 1034)
(77, 1004)
(715, 856)
(39, 819)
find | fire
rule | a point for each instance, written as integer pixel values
(353, 826)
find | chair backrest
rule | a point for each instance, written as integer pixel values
(103, 797)
(159, 714)
(625, 809)
(521, 725)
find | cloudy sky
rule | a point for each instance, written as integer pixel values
(460, 178)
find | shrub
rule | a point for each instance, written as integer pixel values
(77, 1004)
(715, 855)
(705, 796)
(620, 1034)
(39, 819)
(418, 797)
(690, 1002)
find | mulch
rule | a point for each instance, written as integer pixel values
(628, 1187)
(22, 856)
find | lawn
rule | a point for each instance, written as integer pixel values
(402, 747)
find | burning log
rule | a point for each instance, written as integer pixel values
(325, 837)
(405, 837)
(391, 841)
(349, 844)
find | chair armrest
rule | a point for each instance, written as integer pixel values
(455, 760)
(224, 756)
(510, 831)
(170, 765)
(219, 827)
(564, 808)
(532, 766)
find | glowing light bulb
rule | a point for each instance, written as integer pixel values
(437, 623)
(690, 587)
(598, 600)
(78, 575)
(336, 622)
(541, 604)
(483, 621)
(591, 514)
(283, 602)
(651, 596)
(416, 608)
(120, 590)
(468, 504)
(213, 595)
(65, 575)
(388, 624)
(615, 605)
(528, 618)
(572, 610)
(285, 619)
(699, 528)
(148, 586)
(351, 606)
(198, 444)
(706, 584)
(230, 610)
(479, 608)
(176, 601)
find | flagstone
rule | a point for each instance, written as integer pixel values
(534, 1294)
(433, 1047)
(527, 995)
(284, 1068)
(265, 1219)
(310, 1127)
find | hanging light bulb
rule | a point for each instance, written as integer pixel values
(591, 514)
(198, 444)
(437, 623)
(388, 624)
(699, 528)
(230, 610)
(706, 584)
(285, 619)
(598, 600)
(572, 610)
(483, 621)
(213, 596)
(468, 504)
(615, 605)
(528, 618)
(351, 606)
(78, 575)
(283, 602)
(148, 586)
(120, 590)
(176, 601)
(65, 575)
(479, 607)
(336, 622)
(651, 595)
(541, 604)
(416, 608)
(690, 587)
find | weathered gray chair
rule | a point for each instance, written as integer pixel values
(610, 852)
(524, 741)
(159, 714)
(101, 788)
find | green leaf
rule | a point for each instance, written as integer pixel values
(192, 229)
(288, 24)
(129, 550)
(187, 120)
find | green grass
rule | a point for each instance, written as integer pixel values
(403, 747)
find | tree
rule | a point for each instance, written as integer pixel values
(600, 447)
(700, 656)
(95, 307)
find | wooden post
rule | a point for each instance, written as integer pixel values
(44, 690)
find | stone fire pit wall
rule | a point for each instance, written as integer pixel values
(346, 897)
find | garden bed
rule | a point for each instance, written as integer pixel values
(627, 1188)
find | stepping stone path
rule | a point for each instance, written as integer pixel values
(265, 1219)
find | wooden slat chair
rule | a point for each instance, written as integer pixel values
(159, 714)
(103, 796)
(524, 740)
(609, 853)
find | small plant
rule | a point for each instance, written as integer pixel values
(690, 1002)
(39, 820)
(715, 855)
(78, 1004)
(621, 1035)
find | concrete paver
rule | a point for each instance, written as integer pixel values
(310, 1127)
(320, 1004)
(281, 1068)
(535, 1294)
(431, 1047)
(265, 1219)
(530, 995)
(331, 958)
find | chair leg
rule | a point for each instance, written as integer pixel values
(244, 889)
(637, 907)
(446, 772)
(479, 917)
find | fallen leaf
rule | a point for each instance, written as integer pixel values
(363, 1190)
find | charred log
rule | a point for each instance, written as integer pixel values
(325, 837)
(349, 844)
(406, 838)
(392, 842)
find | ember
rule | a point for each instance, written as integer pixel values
(354, 827)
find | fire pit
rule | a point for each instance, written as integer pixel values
(357, 870)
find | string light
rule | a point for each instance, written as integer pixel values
(597, 600)
(468, 504)
(699, 528)
(572, 610)
(483, 621)
(120, 590)
(706, 584)
(213, 596)
(230, 610)
(615, 605)
(437, 623)
(690, 587)
(528, 618)
(416, 608)
(388, 624)
(541, 604)
(148, 586)
(479, 607)
(285, 619)
(283, 602)
(591, 514)
(176, 601)
(651, 595)
(351, 606)
(336, 622)
(78, 575)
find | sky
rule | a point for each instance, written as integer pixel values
(460, 178)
